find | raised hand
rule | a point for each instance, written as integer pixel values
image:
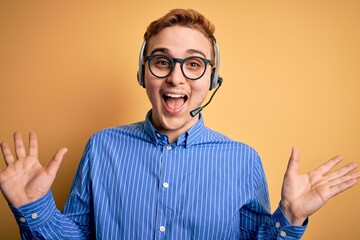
(303, 195)
(25, 180)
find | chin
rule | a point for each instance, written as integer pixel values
(173, 124)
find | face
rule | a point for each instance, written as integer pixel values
(173, 97)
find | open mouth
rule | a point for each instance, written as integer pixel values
(174, 101)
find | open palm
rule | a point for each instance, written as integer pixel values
(303, 195)
(25, 180)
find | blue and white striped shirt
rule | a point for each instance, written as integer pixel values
(132, 184)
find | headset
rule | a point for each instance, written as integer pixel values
(215, 78)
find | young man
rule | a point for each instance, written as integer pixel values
(168, 177)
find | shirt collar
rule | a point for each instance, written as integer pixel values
(186, 139)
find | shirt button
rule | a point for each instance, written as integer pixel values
(168, 147)
(162, 229)
(283, 234)
(277, 224)
(22, 219)
(34, 216)
(165, 185)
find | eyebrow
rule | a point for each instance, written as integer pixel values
(166, 51)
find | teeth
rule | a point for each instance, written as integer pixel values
(174, 95)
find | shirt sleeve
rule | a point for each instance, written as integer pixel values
(270, 226)
(280, 228)
(42, 220)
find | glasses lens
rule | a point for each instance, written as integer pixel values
(193, 67)
(160, 65)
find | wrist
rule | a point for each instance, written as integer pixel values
(290, 216)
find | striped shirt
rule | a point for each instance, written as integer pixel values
(132, 183)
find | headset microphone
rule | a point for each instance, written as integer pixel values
(196, 111)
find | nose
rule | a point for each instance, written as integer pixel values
(176, 77)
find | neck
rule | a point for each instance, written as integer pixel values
(174, 133)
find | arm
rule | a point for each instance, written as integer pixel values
(303, 195)
(25, 184)
(257, 220)
(42, 220)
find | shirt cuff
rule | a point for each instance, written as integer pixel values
(283, 226)
(34, 214)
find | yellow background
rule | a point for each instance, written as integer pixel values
(291, 74)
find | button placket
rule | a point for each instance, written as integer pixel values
(164, 185)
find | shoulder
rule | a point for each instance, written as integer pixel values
(220, 138)
(224, 144)
(118, 134)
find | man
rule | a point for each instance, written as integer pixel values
(168, 177)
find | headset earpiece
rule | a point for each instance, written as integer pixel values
(215, 79)
(141, 70)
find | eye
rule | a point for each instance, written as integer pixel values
(161, 62)
(194, 63)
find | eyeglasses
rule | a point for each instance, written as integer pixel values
(192, 68)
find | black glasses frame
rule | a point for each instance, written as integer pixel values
(179, 60)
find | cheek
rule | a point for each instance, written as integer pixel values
(152, 89)
(200, 90)
(151, 92)
(202, 85)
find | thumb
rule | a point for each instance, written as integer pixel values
(293, 164)
(54, 164)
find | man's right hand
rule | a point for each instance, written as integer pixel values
(24, 179)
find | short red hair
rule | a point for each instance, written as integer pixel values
(182, 17)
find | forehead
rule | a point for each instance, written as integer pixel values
(178, 40)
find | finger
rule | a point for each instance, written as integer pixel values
(19, 145)
(339, 188)
(347, 177)
(355, 175)
(33, 145)
(326, 167)
(8, 157)
(293, 164)
(54, 164)
(342, 171)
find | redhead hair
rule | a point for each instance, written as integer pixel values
(182, 17)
